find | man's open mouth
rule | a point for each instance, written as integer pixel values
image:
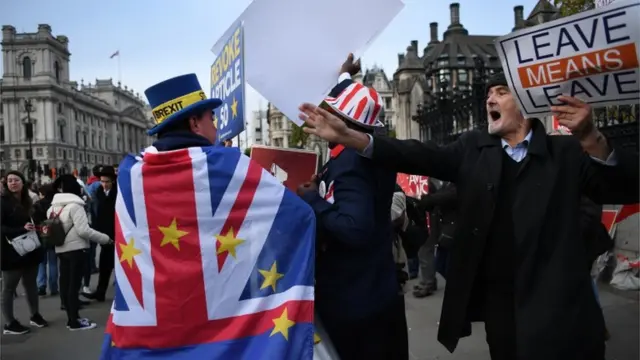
(494, 115)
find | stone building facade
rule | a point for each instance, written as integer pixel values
(451, 59)
(74, 126)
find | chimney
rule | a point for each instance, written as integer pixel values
(434, 32)
(454, 9)
(518, 14)
(414, 45)
(400, 59)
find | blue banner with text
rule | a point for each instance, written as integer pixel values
(227, 84)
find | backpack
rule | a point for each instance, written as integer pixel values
(52, 231)
(417, 232)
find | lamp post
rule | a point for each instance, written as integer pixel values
(28, 107)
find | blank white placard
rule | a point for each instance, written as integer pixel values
(294, 48)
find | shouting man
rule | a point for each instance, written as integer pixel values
(517, 258)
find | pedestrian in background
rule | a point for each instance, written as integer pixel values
(68, 205)
(16, 213)
(104, 221)
(48, 268)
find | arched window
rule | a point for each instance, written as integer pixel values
(26, 67)
(56, 69)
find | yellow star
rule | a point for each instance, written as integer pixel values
(282, 325)
(270, 277)
(316, 338)
(113, 344)
(234, 108)
(128, 252)
(171, 234)
(228, 243)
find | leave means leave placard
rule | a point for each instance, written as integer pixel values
(592, 55)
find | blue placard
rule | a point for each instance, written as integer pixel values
(227, 84)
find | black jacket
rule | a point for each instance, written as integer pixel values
(13, 219)
(557, 316)
(104, 219)
(596, 237)
(442, 205)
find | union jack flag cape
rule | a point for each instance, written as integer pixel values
(214, 260)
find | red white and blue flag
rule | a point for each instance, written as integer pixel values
(214, 260)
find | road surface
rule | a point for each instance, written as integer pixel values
(57, 343)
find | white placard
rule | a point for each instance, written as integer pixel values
(592, 55)
(294, 48)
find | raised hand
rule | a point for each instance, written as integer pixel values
(575, 115)
(349, 66)
(323, 124)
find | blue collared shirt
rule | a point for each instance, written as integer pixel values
(518, 152)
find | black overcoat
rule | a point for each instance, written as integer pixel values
(557, 316)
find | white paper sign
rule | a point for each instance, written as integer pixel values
(294, 48)
(592, 55)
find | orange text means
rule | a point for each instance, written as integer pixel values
(602, 61)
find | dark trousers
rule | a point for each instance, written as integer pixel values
(382, 336)
(90, 266)
(500, 325)
(107, 255)
(71, 270)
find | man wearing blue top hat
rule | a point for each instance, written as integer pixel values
(183, 114)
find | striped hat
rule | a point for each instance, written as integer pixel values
(359, 104)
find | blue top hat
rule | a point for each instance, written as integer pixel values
(174, 99)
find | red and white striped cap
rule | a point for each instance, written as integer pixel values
(358, 103)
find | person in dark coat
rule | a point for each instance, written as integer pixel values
(441, 204)
(517, 261)
(16, 220)
(104, 221)
(357, 292)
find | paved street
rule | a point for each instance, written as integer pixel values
(56, 343)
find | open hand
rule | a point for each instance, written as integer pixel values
(29, 226)
(575, 115)
(323, 124)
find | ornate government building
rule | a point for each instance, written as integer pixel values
(59, 123)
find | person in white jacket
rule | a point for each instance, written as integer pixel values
(73, 253)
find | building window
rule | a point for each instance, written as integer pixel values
(1, 111)
(443, 62)
(75, 115)
(444, 75)
(463, 76)
(84, 139)
(77, 137)
(462, 61)
(56, 70)
(17, 154)
(100, 141)
(93, 140)
(1, 133)
(387, 103)
(61, 129)
(59, 108)
(26, 68)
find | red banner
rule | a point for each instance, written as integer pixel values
(413, 185)
(291, 166)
